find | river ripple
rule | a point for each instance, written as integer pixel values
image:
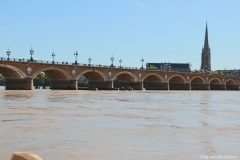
(100, 125)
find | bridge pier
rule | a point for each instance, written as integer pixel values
(64, 84)
(138, 86)
(106, 85)
(208, 87)
(19, 84)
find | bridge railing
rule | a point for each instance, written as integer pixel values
(13, 59)
(99, 65)
(64, 63)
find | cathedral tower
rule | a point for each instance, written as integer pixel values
(206, 53)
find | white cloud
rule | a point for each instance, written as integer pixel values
(139, 3)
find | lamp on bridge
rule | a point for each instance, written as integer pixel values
(8, 53)
(142, 63)
(120, 61)
(53, 55)
(76, 54)
(31, 52)
(89, 60)
(112, 59)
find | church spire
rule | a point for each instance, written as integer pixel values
(206, 45)
(206, 53)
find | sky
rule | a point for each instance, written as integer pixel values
(155, 30)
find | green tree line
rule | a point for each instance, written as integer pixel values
(42, 80)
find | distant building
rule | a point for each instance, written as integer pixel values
(234, 72)
(178, 67)
(206, 53)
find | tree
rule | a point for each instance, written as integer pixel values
(152, 67)
(2, 80)
(83, 81)
(116, 83)
(42, 80)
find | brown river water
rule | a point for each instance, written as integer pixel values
(119, 125)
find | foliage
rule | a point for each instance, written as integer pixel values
(214, 73)
(116, 83)
(152, 67)
(2, 80)
(83, 81)
(42, 80)
(202, 71)
(208, 72)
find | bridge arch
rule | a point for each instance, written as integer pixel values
(215, 84)
(230, 82)
(11, 72)
(58, 78)
(178, 82)
(53, 73)
(153, 81)
(231, 85)
(93, 79)
(153, 77)
(93, 75)
(126, 80)
(215, 81)
(198, 79)
(177, 79)
(198, 83)
(125, 77)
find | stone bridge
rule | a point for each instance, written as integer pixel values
(19, 74)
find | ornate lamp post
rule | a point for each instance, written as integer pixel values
(53, 55)
(8, 53)
(89, 60)
(142, 62)
(120, 61)
(76, 54)
(31, 52)
(112, 59)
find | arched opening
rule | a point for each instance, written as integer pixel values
(126, 81)
(231, 85)
(123, 81)
(14, 78)
(154, 82)
(9, 73)
(42, 81)
(53, 79)
(215, 84)
(197, 83)
(91, 80)
(177, 83)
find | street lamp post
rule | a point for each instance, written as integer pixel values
(142, 62)
(53, 55)
(112, 59)
(89, 60)
(76, 54)
(120, 61)
(8, 53)
(31, 52)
